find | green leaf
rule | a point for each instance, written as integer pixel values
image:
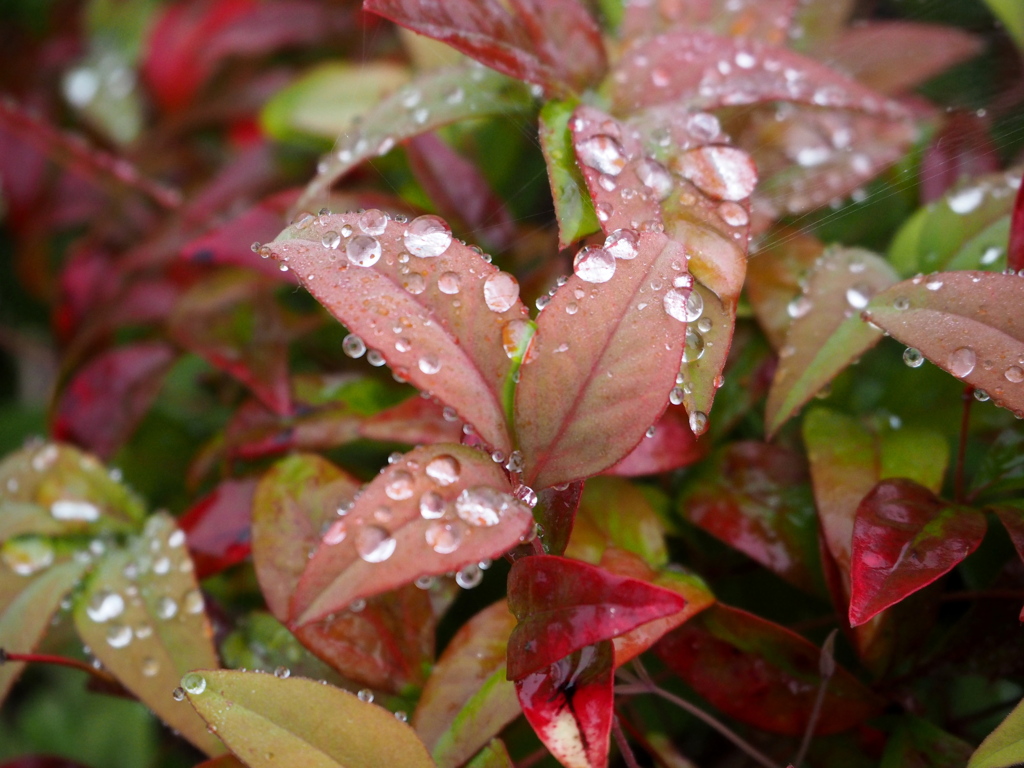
(573, 207)
(614, 512)
(826, 334)
(142, 614)
(1003, 747)
(494, 755)
(917, 743)
(708, 342)
(271, 722)
(1011, 13)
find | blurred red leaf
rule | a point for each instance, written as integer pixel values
(218, 526)
(570, 706)
(962, 149)
(416, 421)
(768, 20)
(556, 512)
(672, 446)
(904, 538)
(1015, 252)
(105, 399)
(761, 673)
(459, 191)
(563, 605)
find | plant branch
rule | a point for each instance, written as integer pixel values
(61, 661)
(827, 667)
(623, 743)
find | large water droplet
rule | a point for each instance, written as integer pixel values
(399, 485)
(353, 346)
(443, 538)
(104, 605)
(1014, 374)
(515, 335)
(594, 265)
(724, 173)
(858, 296)
(966, 200)
(194, 683)
(602, 153)
(443, 469)
(698, 422)
(363, 251)
(686, 306)
(913, 357)
(432, 506)
(655, 176)
(694, 345)
(501, 291)
(449, 282)
(82, 511)
(374, 544)
(429, 364)
(481, 506)
(27, 555)
(330, 240)
(373, 222)
(119, 635)
(469, 576)
(427, 236)
(622, 243)
(962, 361)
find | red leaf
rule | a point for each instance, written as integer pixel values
(1015, 252)
(672, 446)
(761, 673)
(105, 400)
(438, 509)
(416, 421)
(41, 761)
(963, 149)
(218, 526)
(556, 512)
(767, 20)
(530, 45)
(563, 605)
(451, 309)
(613, 381)
(570, 706)
(904, 538)
(706, 71)
(460, 192)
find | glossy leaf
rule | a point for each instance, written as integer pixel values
(614, 380)
(962, 149)
(761, 673)
(264, 720)
(448, 344)
(967, 323)
(415, 421)
(467, 699)
(29, 598)
(1015, 251)
(617, 513)
(570, 706)
(217, 527)
(967, 229)
(143, 616)
(708, 342)
(384, 542)
(556, 513)
(767, 21)
(436, 98)
(672, 446)
(919, 743)
(757, 498)
(826, 334)
(904, 538)
(1001, 470)
(774, 276)
(574, 209)
(563, 605)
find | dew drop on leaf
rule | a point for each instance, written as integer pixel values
(374, 544)
(693, 347)
(373, 222)
(365, 695)
(192, 602)
(501, 291)
(283, 673)
(470, 576)
(594, 265)
(733, 214)
(375, 358)
(799, 307)
(431, 506)
(449, 283)
(602, 153)
(1014, 374)
(414, 283)
(913, 357)
(427, 236)
(104, 605)
(622, 244)
(330, 240)
(193, 683)
(443, 538)
(166, 608)
(443, 469)
(481, 506)
(178, 694)
(399, 485)
(28, 555)
(685, 306)
(966, 200)
(363, 251)
(74, 510)
(119, 635)
(723, 173)
(150, 667)
(858, 296)
(698, 422)
(962, 361)
(655, 177)
(336, 533)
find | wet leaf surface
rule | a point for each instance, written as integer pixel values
(574, 209)
(708, 341)
(439, 317)
(264, 720)
(467, 699)
(967, 323)
(616, 513)
(826, 334)
(563, 605)
(767, 21)
(217, 526)
(415, 421)
(556, 513)
(761, 673)
(143, 616)
(904, 538)
(774, 275)
(437, 509)
(672, 446)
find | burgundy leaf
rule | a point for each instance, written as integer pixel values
(570, 706)
(217, 526)
(566, 37)
(1015, 252)
(416, 421)
(105, 400)
(460, 192)
(441, 317)
(967, 323)
(962, 149)
(563, 605)
(436, 510)
(762, 674)
(617, 514)
(613, 383)
(767, 20)
(672, 446)
(904, 538)
(706, 71)
(556, 512)
(1012, 518)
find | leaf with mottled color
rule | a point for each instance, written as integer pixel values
(767, 20)
(672, 446)
(217, 526)
(265, 721)
(616, 513)
(574, 209)
(774, 276)
(494, 755)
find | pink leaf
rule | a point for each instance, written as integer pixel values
(566, 36)
(439, 317)
(415, 421)
(904, 538)
(767, 20)
(217, 526)
(563, 605)
(672, 446)
(438, 509)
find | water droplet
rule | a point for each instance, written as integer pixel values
(676, 396)
(432, 506)
(443, 469)
(622, 244)
(104, 605)
(724, 173)
(27, 555)
(858, 296)
(515, 462)
(991, 255)
(427, 236)
(481, 506)
(178, 694)
(799, 307)
(401, 716)
(962, 361)
(166, 608)
(150, 667)
(363, 251)
(655, 177)
(594, 265)
(119, 635)
(429, 364)
(283, 673)
(353, 346)
(74, 510)
(1014, 374)
(373, 221)
(966, 200)
(330, 240)
(443, 538)
(176, 539)
(194, 683)
(469, 576)
(602, 153)
(365, 695)
(449, 282)
(698, 422)
(981, 396)
(399, 485)
(704, 324)
(374, 544)
(693, 346)
(933, 284)
(686, 306)
(913, 357)
(501, 291)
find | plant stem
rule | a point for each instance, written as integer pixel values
(624, 748)
(827, 666)
(965, 421)
(61, 661)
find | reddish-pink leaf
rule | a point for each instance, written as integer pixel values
(460, 192)
(105, 400)
(416, 421)
(706, 71)
(566, 37)
(440, 317)
(967, 323)
(904, 538)
(962, 149)
(570, 706)
(563, 605)
(1015, 251)
(613, 381)
(556, 512)
(762, 674)
(218, 526)
(672, 446)
(767, 20)
(436, 510)
(894, 56)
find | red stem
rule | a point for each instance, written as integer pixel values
(965, 421)
(60, 661)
